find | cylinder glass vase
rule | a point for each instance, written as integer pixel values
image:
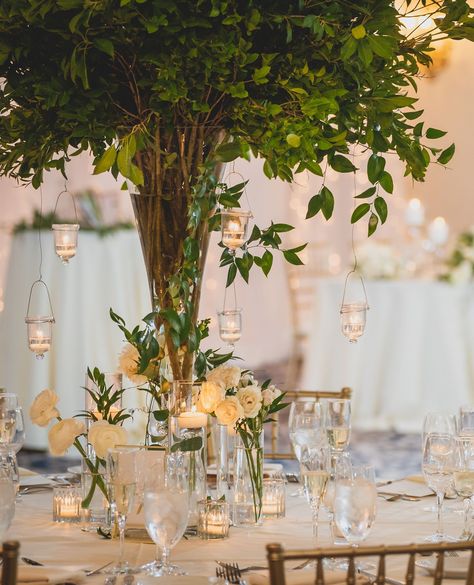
(248, 482)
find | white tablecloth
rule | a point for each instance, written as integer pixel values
(41, 539)
(109, 272)
(417, 353)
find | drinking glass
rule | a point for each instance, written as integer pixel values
(464, 478)
(7, 499)
(315, 465)
(466, 421)
(166, 506)
(438, 467)
(439, 423)
(337, 418)
(121, 473)
(340, 468)
(8, 405)
(16, 444)
(355, 504)
(305, 426)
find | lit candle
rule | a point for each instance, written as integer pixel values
(230, 334)
(233, 238)
(66, 504)
(192, 420)
(66, 251)
(438, 231)
(273, 501)
(415, 213)
(213, 519)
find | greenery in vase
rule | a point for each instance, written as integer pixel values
(165, 93)
(460, 265)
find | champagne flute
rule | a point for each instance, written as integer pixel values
(166, 515)
(121, 476)
(464, 478)
(355, 504)
(438, 467)
(315, 467)
(337, 414)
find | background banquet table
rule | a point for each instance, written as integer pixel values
(417, 353)
(55, 544)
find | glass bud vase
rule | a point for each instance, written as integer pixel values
(95, 505)
(248, 483)
(223, 442)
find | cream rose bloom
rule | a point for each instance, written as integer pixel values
(43, 409)
(61, 436)
(210, 396)
(128, 364)
(104, 436)
(229, 411)
(226, 376)
(250, 398)
(269, 394)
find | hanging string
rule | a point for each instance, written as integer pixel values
(225, 297)
(39, 237)
(234, 172)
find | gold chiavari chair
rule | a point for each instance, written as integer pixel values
(293, 396)
(277, 557)
(9, 556)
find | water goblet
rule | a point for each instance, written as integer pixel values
(337, 418)
(121, 474)
(166, 506)
(7, 499)
(439, 423)
(438, 468)
(464, 478)
(315, 466)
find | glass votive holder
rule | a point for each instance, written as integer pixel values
(213, 519)
(67, 504)
(274, 494)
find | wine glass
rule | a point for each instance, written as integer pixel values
(340, 468)
(466, 421)
(438, 467)
(166, 515)
(355, 504)
(439, 423)
(464, 478)
(305, 425)
(121, 474)
(315, 465)
(7, 499)
(16, 444)
(337, 418)
(8, 405)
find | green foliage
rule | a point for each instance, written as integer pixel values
(104, 398)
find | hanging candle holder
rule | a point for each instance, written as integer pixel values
(353, 314)
(234, 227)
(39, 328)
(65, 234)
(230, 325)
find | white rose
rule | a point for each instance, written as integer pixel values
(251, 400)
(229, 411)
(61, 436)
(247, 379)
(269, 394)
(128, 364)
(104, 436)
(211, 395)
(227, 376)
(43, 409)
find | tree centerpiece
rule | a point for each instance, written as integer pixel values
(165, 93)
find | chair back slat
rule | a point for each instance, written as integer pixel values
(381, 571)
(10, 562)
(351, 572)
(438, 576)
(410, 575)
(320, 573)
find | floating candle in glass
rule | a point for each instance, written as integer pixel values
(234, 226)
(353, 319)
(67, 504)
(273, 503)
(39, 334)
(65, 240)
(213, 519)
(230, 325)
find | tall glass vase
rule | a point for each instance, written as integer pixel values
(223, 441)
(248, 482)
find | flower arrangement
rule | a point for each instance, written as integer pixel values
(460, 265)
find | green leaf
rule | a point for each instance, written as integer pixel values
(381, 208)
(105, 46)
(191, 444)
(327, 206)
(381, 46)
(314, 206)
(348, 48)
(293, 140)
(259, 75)
(433, 133)
(231, 274)
(161, 415)
(386, 181)
(358, 32)
(172, 317)
(229, 151)
(292, 257)
(106, 161)
(266, 262)
(314, 167)
(282, 227)
(367, 193)
(373, 222)
(359, 212)
(341, 164)
(375, 167)
(413, 115)
(446, 155)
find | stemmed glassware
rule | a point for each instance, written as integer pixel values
(438, 467)
(466, 421)
(464, 478)
(166, 514)
(121, 473)
(8, 406)
(439, 423)
(337, 418)
(7, 499)
(355, 504)
(315, 465)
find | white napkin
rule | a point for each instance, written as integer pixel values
(406, 487)
(49, 575)
(302, 577)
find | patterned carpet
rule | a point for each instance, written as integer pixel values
(394, 455)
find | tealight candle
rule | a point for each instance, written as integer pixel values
(273, 501)
(65, 240)
(234, 224)
(67, 504)
(415, 213)
(192, 420)
(213, 519)
(438, 231)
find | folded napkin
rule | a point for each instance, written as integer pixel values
(303, 577)
(48, 575)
